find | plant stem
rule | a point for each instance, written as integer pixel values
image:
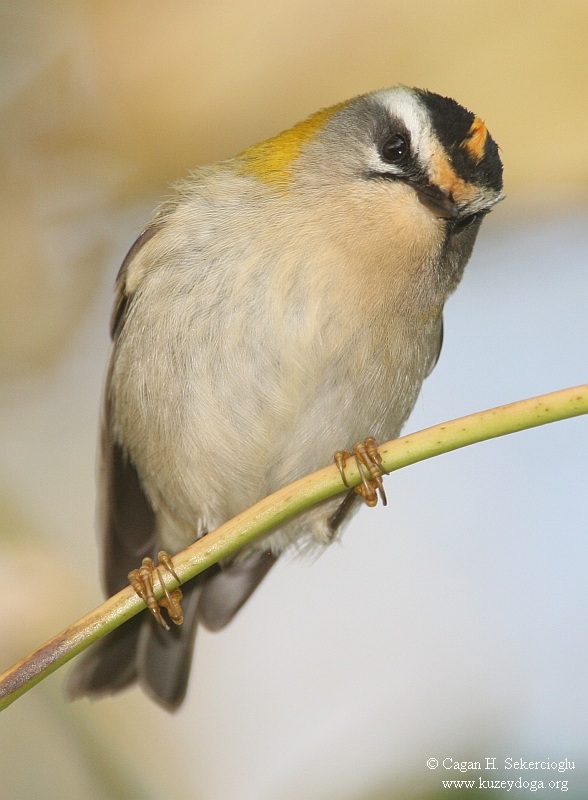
(278, 507)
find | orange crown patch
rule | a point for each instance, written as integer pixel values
(476, 139)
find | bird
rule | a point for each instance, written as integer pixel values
(280, 306)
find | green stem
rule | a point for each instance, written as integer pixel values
(280, 506)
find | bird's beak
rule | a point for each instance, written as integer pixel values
(438, 201)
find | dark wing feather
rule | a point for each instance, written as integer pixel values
(109, 665)
(227, 589)
(121, 302)
(437, 351)
(139, 649)
(127, 525)
(127, 520)
(164, 658)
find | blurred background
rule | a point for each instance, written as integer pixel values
(450, 624)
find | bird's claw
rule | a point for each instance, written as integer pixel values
(368, 461)
(142, 582)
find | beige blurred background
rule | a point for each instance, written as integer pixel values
(106, 102)
(102, 106)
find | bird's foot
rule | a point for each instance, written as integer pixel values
(142, 582)
(368, 461)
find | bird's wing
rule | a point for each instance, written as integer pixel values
(213, 598)
(228, 588)
(159, 659)
(126, 519)
(437, 351)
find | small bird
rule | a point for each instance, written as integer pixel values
(282, 305)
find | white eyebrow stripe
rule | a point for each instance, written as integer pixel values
(402, 103)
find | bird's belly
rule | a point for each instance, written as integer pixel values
(206, 455)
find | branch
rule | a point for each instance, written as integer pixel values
(277, 508)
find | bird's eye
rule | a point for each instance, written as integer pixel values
(394, 148)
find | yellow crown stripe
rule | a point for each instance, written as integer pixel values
(271, 160)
